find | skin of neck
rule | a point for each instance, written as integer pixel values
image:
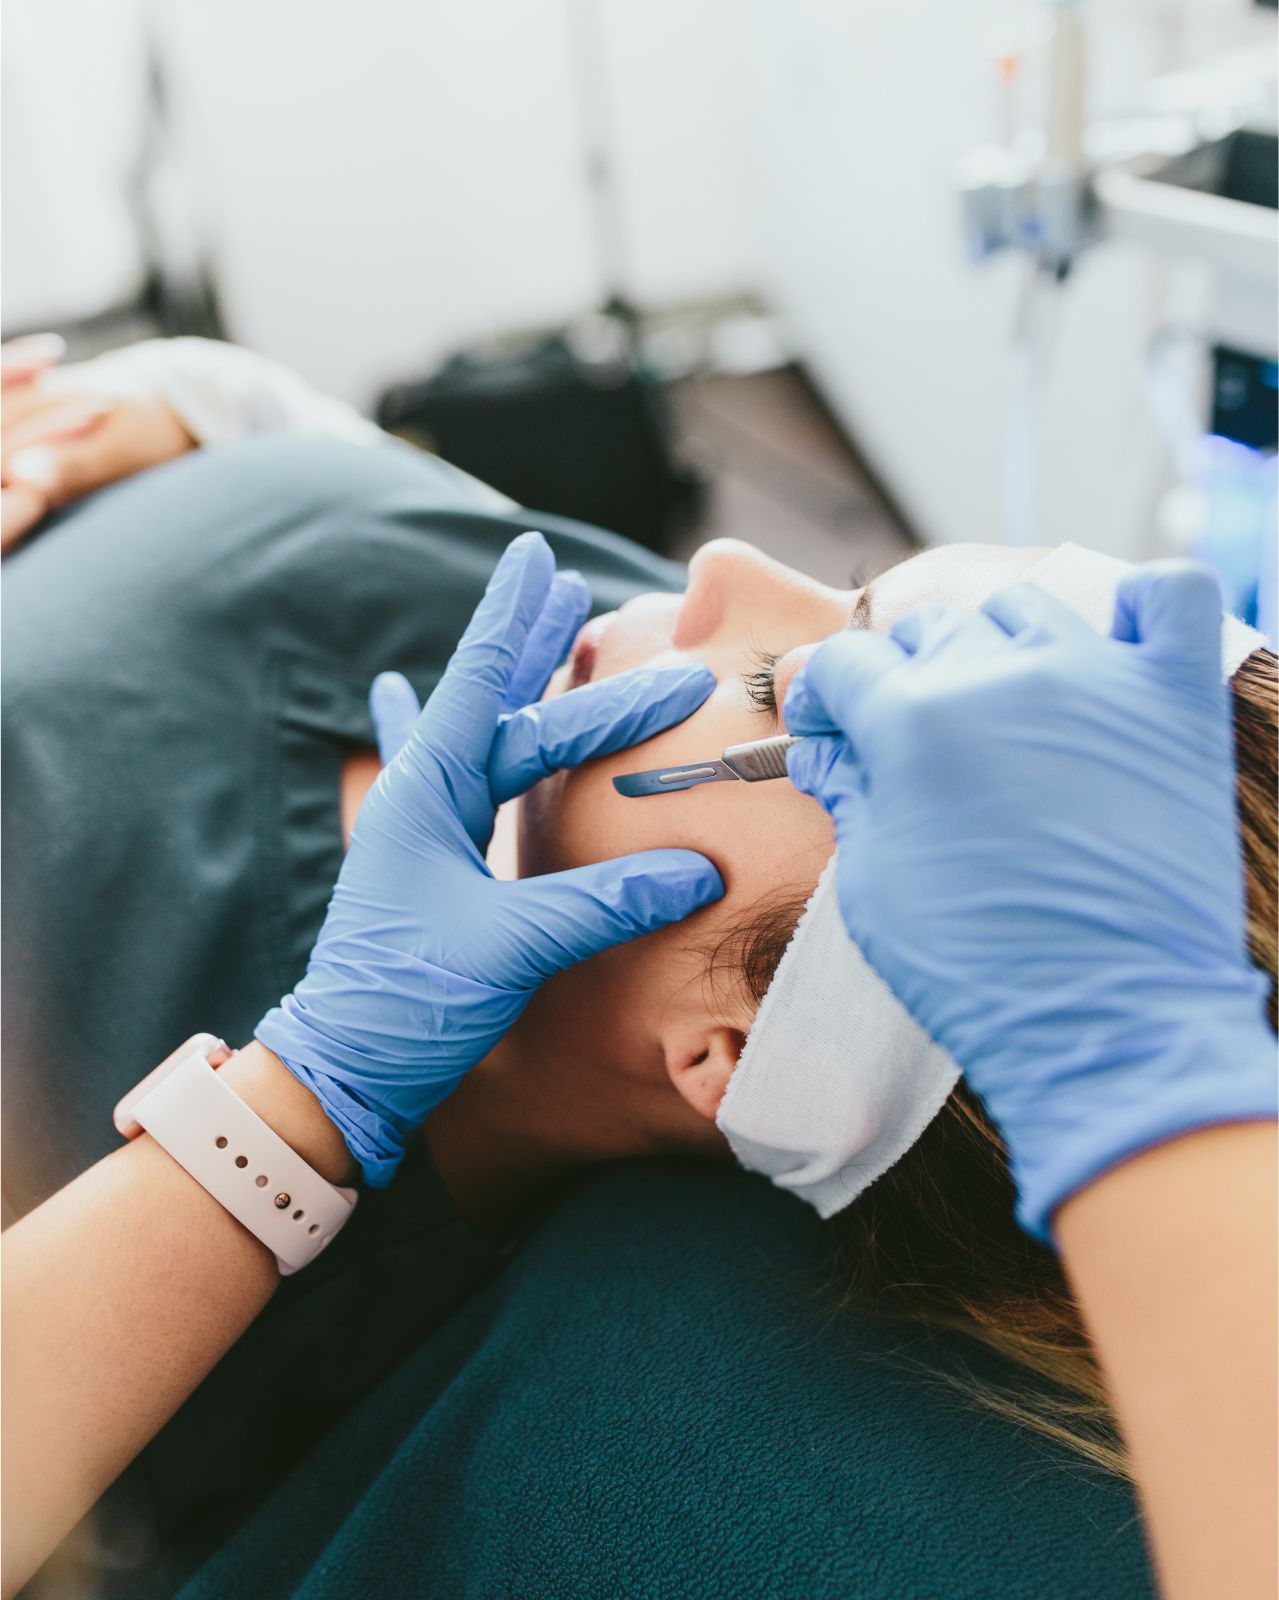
(534, 1112)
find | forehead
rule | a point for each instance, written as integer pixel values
(963, 575)
(757, 834)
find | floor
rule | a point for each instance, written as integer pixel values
(782, 477)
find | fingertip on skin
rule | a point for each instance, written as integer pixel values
(1172, 607)
(25, 358)
(695, 675)
(625, 898)
(708, 878)
(1025, 609)
(805, 708)
(796, 704)
(809, 764)
(909, 630)
(687, 873)
(594, 720)
(670, 694)
(646, 693)
(34, 347)
(826, 694)
(37, 466)
(654, 698)
(1009, 607)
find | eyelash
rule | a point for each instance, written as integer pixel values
(760, 684)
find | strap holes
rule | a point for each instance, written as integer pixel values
(241, 1161)
(314, 1228)
(298, 1214)
(220, 1141)
(261, 1180)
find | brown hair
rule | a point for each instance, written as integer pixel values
(935, 1239)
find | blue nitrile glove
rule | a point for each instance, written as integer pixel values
(425, 959)
(1038, 852)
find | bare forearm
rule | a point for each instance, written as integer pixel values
(1173, 1259)
(120, 1294)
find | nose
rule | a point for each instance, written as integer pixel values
(734, 589)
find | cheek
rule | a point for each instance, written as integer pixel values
(577, 816)
(762, 837)
(564, 822)
(561, 1021)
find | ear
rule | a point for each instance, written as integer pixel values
(700, 1059)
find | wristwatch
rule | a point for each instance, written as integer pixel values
(231, 1152)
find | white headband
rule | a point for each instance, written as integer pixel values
(837, 1080)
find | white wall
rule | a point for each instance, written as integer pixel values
(381, 181)
(687, 126)
(869, 109)
(71, 118)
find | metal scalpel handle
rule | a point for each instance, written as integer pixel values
(762, 758)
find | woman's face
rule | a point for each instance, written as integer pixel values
(740, 614)
(642, 1018)
(752, 621)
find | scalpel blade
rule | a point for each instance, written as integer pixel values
(669, 780)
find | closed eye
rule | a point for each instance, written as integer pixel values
(760, 682)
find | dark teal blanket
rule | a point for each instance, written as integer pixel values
(653, 1395)
(656, 1398)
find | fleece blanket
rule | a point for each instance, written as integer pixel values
(659, 1397)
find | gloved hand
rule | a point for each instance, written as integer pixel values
(425, 960)
(1038, 852)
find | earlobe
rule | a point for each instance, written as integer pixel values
(700, 1067)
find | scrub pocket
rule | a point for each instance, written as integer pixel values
(311, 720)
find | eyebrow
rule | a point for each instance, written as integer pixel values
(861, 611)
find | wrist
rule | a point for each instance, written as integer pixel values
(290, 1110)
(335, 1072)
(1201, 1077)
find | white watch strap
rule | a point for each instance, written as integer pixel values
(244, 1164)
